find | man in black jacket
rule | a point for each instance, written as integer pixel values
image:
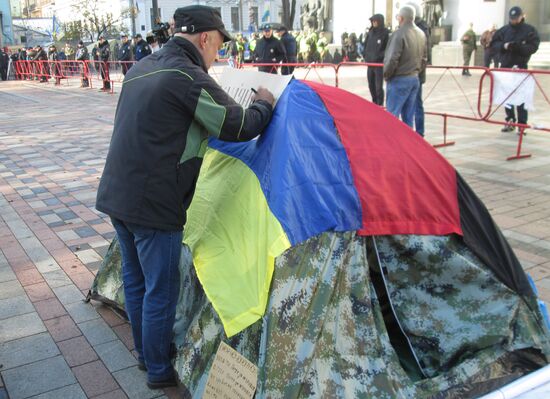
(82, 56)
(125, 53)
(269, 50)
(291, 49)
(168, 107)
(515, 43)
(373, 52)
(104, 52)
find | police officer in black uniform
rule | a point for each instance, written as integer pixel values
(141, 48)
(269, 50)
(515, 43)
(125, 53)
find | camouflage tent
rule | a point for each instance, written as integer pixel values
(375, 295)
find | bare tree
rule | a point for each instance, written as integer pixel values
(289, 12)
(96, 22)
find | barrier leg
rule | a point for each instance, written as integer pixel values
(519, 155)
(445, 142)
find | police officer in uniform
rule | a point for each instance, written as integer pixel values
(167, 108)
(515, 43)
(82, 55)
(141, 48)
(269, 50)
(124, 53)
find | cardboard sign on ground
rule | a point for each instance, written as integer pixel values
(231, 376)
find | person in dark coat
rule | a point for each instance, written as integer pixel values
(4, 62)
(269, 50)
(141, 48)
(125, 53)
(82, 56)
(167, 109)
(41, 66)
(55, 70)
(291, 49)
(373, 52)
(515, 43)
(104, 52)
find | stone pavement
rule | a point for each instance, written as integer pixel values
(53, 143)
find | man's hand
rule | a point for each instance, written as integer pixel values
(510, 46)
(263, 94)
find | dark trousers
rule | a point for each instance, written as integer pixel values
(268, 69)
(151, 277)
(489, 56)
(511, 115)
(375, 78)
(125, 67)
(287, 70)
(104, 67)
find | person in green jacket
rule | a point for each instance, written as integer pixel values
(468, 47)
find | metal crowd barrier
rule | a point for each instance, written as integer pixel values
(482, 108)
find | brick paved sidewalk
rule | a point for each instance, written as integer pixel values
(53, 143)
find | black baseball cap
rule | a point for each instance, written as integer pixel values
(195, 19)
(515, 12)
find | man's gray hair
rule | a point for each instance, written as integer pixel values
(407, 13)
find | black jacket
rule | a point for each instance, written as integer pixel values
(524, 41)
(291, 49)
(376, 41)
(269, 51)
(124, 52)
(167, 108)
(141, 50)
(82, 53)
(104, 51)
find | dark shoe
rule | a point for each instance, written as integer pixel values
(507, 129)
(142, 366)
(170, 382)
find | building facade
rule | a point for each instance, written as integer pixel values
(6, 29)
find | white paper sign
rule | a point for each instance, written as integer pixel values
(238, 83)
(231, 376)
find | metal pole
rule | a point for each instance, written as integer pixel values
(156, 19)
(133, 16)
(241, 19)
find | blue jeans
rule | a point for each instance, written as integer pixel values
(150, 272)
(419, 113)
(401, 97)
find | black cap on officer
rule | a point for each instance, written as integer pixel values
(515, 12)
(195, 19)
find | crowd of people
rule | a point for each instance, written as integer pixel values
(508, 47)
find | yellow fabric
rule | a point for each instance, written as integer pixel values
(234, 239)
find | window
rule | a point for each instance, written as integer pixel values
(235, 20)
(253, 16)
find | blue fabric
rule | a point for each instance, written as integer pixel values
(401, 97)
(419, 113)
(151, 279)
(302, 167)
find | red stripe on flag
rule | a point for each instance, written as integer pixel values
(405, 185)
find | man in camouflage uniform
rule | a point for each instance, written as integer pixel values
(468, 47)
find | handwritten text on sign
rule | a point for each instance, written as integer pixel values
(231, 376)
